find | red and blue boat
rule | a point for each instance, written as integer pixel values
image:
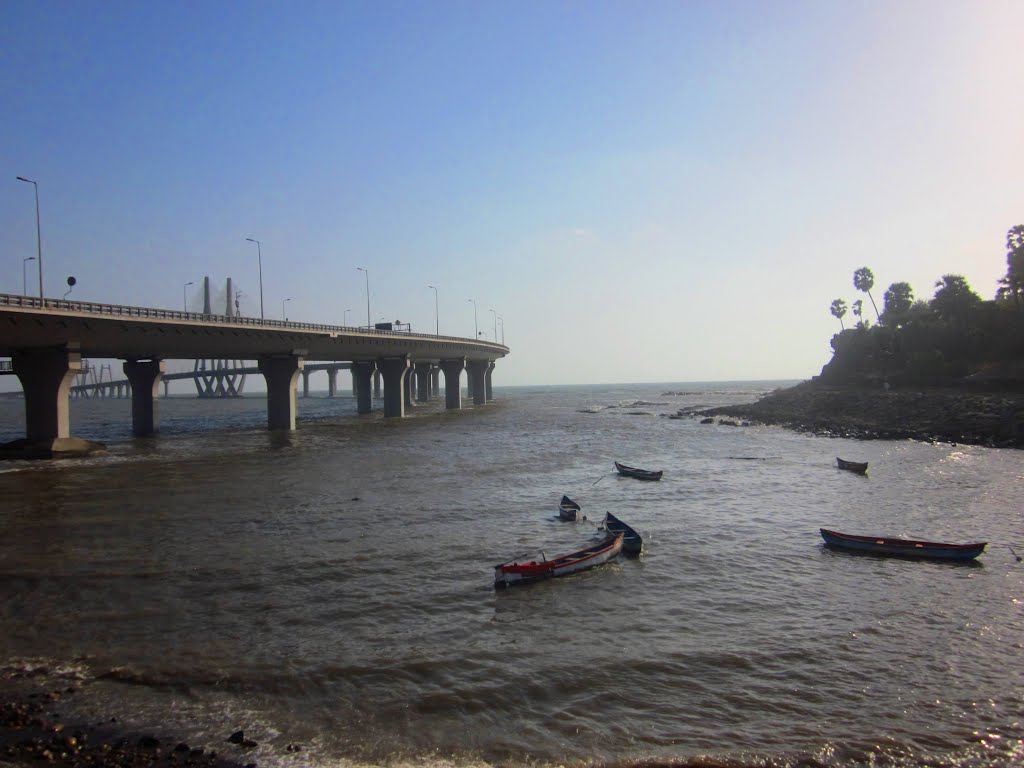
(898, 547)
(515, 572)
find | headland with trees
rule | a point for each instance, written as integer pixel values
(947, 368)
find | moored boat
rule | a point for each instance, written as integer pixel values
(860, 467)
(886, 545)
(568, 509)
(639, 474)
(632, 543)
(515, 572)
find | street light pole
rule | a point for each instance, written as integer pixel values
(476, 328)
(24, 278)
(39, 237)
(259, 256)
(502, 321)
(184, 296)
(365, 272)
(437, 322)
(345, 321)
(283, 316)
(495, 326)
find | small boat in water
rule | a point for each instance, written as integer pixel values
(860, 467)
(882, 545)
(514, 572)
(568, 509)
(639, 474)
(631, 541)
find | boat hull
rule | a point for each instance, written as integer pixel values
(568, 509)
(514, 573)
(632, 543)
(897, 547)
(858, 467)
(639, 474)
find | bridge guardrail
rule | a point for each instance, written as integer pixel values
(117, 310)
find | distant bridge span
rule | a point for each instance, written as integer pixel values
(47, 338)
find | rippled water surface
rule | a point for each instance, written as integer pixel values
(334, 587)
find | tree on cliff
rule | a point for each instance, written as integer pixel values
(954, 299)
(1012, 285)
(838, 309)
(864, 280)
(897, 301)
(858, 311)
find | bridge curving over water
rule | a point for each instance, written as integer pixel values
(47, 339)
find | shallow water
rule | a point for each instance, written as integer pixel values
(334, 587)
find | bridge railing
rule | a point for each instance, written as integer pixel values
(150, 313)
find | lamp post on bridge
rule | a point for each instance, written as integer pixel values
(259, 256)
(437, 322)
(501, 321)
(283, 316)
(476, 328)
(345, 321)
(367, 274)
(495, 326)
(184, 295)
(39, 237)
(24, 279)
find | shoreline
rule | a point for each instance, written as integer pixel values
(42, 728)
(954, 415)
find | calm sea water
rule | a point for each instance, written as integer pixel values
(334, 587)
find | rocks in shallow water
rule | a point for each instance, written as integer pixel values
(237, 737)
(708, 420)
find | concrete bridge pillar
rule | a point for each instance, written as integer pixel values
(394, 370)
(332, 382)
(46, 376)
(282, 375)
(487, 381)
(144, 376)
(435, 381)
(362, 373)
(305, 382)
(167, 387)
(376, 384)
(422, 382)
(452, 382)
(409, 388)
(477, 370)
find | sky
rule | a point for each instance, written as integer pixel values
(643, 192)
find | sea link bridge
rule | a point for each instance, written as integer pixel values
(46, 340)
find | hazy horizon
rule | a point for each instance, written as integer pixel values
(665, 192)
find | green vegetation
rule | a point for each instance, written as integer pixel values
(951, 339)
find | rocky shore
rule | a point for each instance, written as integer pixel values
(40, 728)
(954, 415)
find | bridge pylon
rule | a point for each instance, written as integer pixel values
(218, 378)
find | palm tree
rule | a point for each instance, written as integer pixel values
(858, 311)
(898, 300)
(954, 298)
(864, 280)
(1013, 283)
(838, 309)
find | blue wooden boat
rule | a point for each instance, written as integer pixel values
(568, 509)
(860, 467)
(639, 474)
(632, 543)
(884, 545)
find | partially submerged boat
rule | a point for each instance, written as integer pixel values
(860, 467)
(885, 545)
(639, 474)
(515, 572)
(632, 543)
(568, 509)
